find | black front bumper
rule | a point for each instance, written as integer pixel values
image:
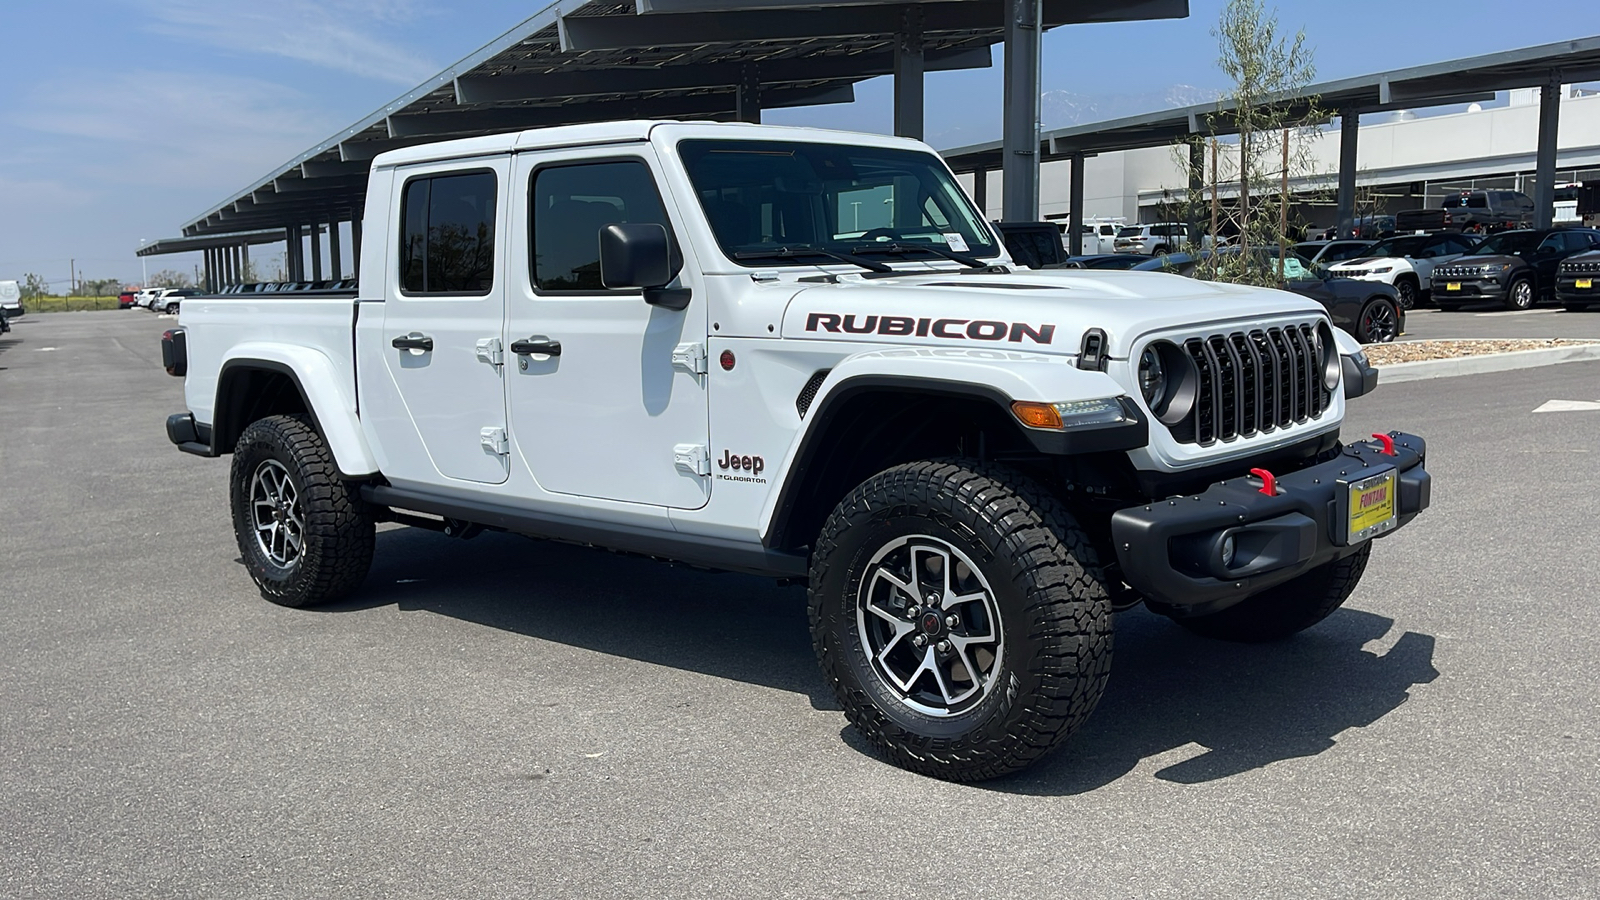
(1169, 550)
(1473, 290)
(1567, 290)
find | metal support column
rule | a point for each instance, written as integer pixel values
(291, 252)
(244, 260)
(908, 75)
(1544, 170)
(205, 271)
(747, 104)
(1075, 207)
(335, 264)
(980, 191)
(1194, 203)
(355, 247)
(227, 267)
(316, 253)
(1349, 127)
(1021, 109)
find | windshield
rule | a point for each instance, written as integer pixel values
(1400, 246)
(1131, 231)
(769, 202)
(1506, 242)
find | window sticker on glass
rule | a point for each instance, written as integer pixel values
(956, 241)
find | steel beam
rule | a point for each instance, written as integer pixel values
(332, 169)
(355, 245)
(747, 95)
(1544, 172)
(909, 66)
(316, 255)
(980, 191)
(335, 262)
(1021, 110)
(1075, 207)
(1349, 128)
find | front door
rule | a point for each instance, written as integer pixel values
(605, 401)
(444, 309)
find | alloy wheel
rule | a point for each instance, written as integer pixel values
(1522, 294)
(1380, 324)
(929, 622)
(276, 514)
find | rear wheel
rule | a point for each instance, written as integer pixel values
(1379, 323)
(1287, 609)
(961, 617)
(1520, 294)
(304, 533)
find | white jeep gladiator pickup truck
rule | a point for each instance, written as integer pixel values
(803, 354)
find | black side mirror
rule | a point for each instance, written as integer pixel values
(642, 256)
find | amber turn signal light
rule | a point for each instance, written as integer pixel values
(1036, 415)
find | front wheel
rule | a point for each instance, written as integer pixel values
(1407, 289)
(961, 617)
(1520, 296)
(304, 533)
(1379, 323)
(1288, 609)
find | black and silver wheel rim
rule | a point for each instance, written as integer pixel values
(1522, 294)
(1408, 294)
(276, 514)
(930, 626)
(1380, 323)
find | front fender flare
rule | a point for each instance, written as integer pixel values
(322, 387)
(1000, 376)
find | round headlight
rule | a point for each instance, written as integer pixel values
(1152, 376)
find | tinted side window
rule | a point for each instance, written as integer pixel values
(447, 234)
(571, 204)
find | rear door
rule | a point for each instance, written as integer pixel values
(444, 312)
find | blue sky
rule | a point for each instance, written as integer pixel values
(122, 119)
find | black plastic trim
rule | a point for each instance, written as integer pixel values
(1165, 548)
(223, 424)
(715, 553)
(1358, 380)
(1124, 436)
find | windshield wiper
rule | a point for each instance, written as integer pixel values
(800, 250)
(896, 247)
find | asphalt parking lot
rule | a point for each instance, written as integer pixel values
(1490, 320)
(509, 718)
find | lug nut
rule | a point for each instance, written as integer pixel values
(919, 641)
(933, 599)
(911, 612)
(942, 646)
(952, 621)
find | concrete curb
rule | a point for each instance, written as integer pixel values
(1487, 362)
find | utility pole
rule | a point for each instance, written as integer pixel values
(72, 276)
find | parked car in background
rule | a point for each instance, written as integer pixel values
(1104, 261)
(1578, 281)
(1369, 311)
(127, 299)
(1098, 236)
(1516, 268)
(171, 299)
(1489, 210)
(1329, 252)
(11, 299)
(1405, 262)
(1162, 237)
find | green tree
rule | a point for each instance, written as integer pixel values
(169, 278)
(33, 286)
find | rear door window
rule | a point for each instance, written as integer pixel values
(447, 234)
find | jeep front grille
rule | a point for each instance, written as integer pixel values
(1252, 382)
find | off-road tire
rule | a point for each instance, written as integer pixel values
(1289, 608)
(338, 526)
(1050, 597)
(1516, 298)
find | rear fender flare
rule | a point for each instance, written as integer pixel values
(323, 390)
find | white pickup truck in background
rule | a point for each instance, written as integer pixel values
(683, 340)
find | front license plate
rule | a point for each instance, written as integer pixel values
(1452, 286)
(1371, 506)
(1585, 283)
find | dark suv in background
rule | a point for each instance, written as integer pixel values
(1515, 268)
(1578, 281)
(1489, 210)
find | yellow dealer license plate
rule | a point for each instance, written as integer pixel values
(1452, 285)
(1371, 505)
(1585, 283)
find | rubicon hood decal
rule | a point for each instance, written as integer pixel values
(956, 329)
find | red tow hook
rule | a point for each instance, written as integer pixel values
(1387, 442)
(1269, 482)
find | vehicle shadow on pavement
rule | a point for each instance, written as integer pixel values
(1230, 708)
(740, 627)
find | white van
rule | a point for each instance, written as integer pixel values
(11, 299)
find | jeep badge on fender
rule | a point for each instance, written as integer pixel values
(966, 498)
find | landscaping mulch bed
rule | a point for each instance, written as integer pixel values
(1420, 351)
